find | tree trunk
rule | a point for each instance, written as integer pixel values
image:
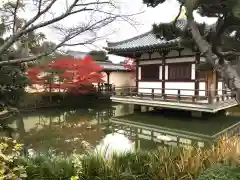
(230, 75)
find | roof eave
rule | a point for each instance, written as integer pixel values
(143, 49)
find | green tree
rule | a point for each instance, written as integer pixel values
(13, 79)
(98, 55)
(219, 44)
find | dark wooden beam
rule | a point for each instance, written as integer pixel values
(108, 77)
(196, 86)
(163, 71)
(137, 59)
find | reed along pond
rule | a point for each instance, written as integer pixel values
(118, 126)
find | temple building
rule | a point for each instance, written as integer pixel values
(168, 73)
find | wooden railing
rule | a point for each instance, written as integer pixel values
(177, 95)
(104, 88)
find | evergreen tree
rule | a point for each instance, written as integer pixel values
(219, 44)
(98, 55)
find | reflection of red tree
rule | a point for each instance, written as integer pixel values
(67, 73)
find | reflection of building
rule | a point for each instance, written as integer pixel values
(42, 119)
(157, 130)
(166, 73)
(153, 136)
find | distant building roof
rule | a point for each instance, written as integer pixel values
(77, 54)
(107, 65)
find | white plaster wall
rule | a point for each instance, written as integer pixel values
(193, 71)
(202, 86)
(180, 85)
(121, 79)
(220, 85)
(149, 86)
(166, 72)
(160, 73)
(139, 73)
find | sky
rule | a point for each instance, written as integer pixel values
(119, 30)
(165, 12)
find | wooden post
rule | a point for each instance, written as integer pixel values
(179, 95)
(114, 90)
(223, 94)
(152, 93)
(209, 97)
(193, 98)
(196, 83)
(211, 85)
(137, 59)
(163, 95)
(108, 77)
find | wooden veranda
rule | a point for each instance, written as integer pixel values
(183, 99)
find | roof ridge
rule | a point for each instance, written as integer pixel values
(109, 44)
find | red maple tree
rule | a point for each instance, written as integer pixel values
(67, 74)
(129, 63)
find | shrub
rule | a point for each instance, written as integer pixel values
(49, 166)
(164, 163)
(9, 155)
(221, 173)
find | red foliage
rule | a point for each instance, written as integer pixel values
(129, 64)
(74, 74)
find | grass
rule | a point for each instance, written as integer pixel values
(162, 164)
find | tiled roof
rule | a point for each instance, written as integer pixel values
(146, 41)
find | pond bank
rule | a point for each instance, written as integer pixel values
(164, 163)
(32, 102)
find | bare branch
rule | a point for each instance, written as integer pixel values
(179, 13)
(15, 15)
(92, 26)
(24, 30)
(89, 41)
(39, 6)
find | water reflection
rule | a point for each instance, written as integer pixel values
(163, 128)
(115, 127)
(63, 130)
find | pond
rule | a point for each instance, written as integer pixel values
(118, 126)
